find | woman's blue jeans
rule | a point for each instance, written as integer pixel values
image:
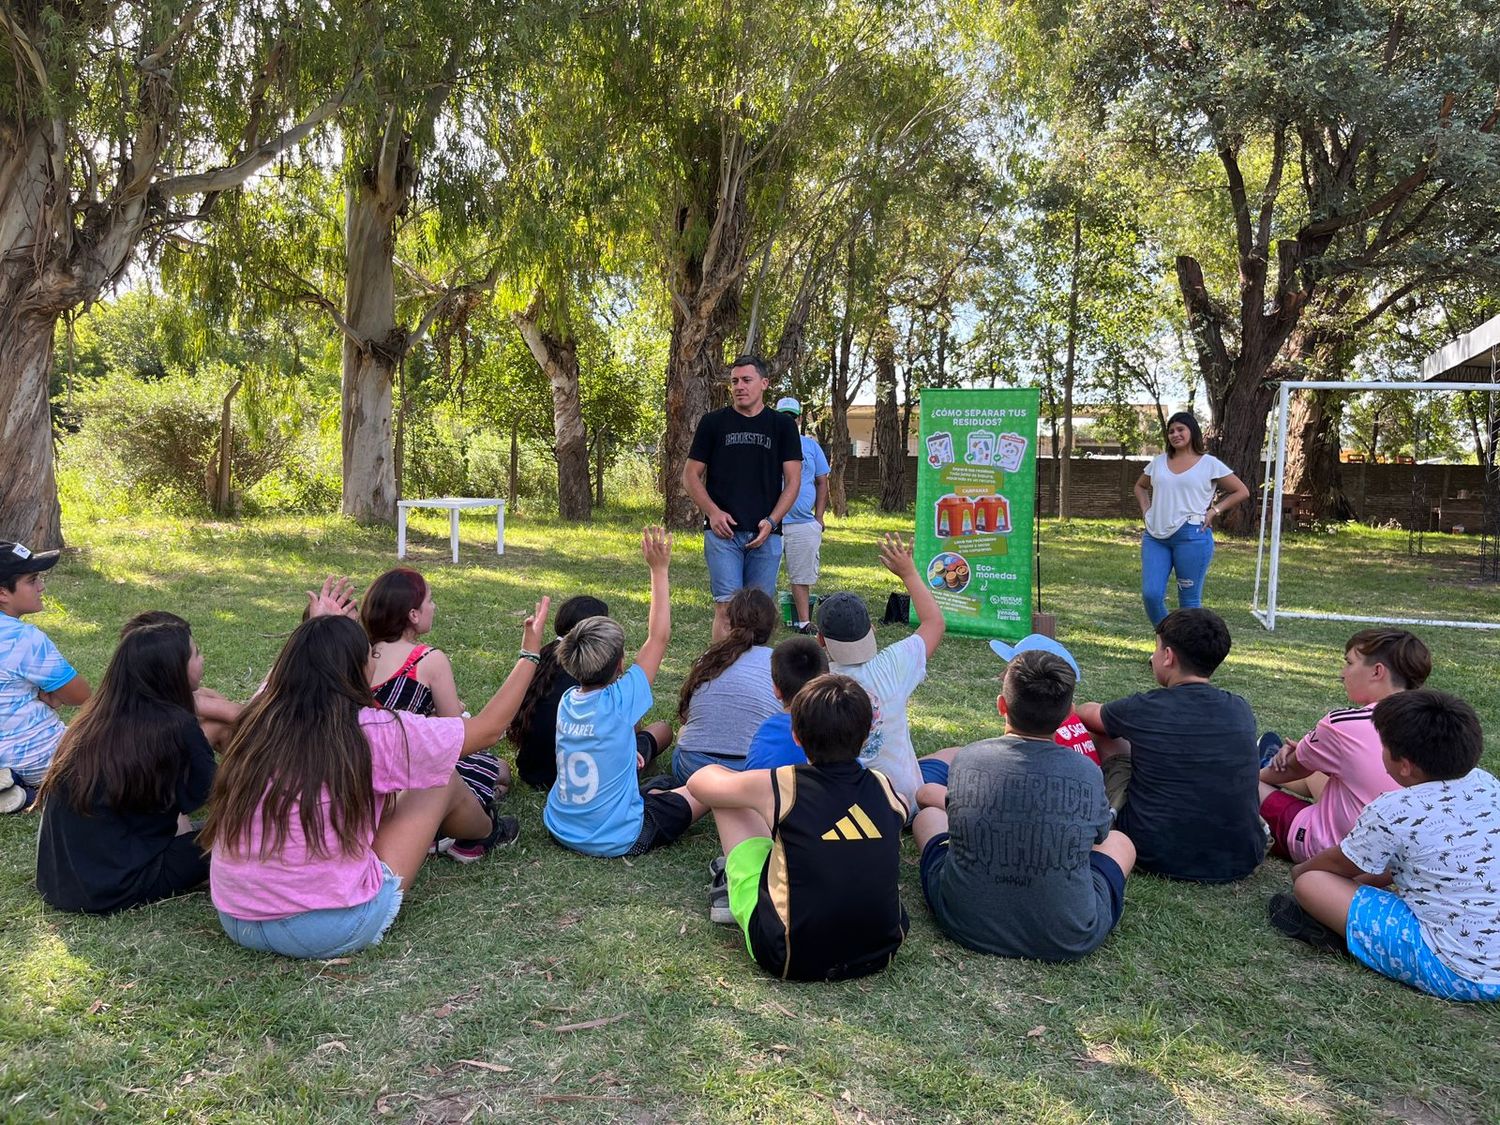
(1187, 552)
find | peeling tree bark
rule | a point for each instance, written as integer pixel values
(557, 356)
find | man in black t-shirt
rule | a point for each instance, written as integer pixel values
(743, 472)
(1184, 759)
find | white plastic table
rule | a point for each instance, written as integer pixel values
(454, 505)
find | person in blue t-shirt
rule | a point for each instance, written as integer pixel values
(802, 527)
(35, 679)
(595, 806)
(794, 662)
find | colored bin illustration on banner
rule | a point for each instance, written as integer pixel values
(976, 500)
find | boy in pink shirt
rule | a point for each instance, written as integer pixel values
(1313, 790)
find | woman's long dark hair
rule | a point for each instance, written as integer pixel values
(570, 613)
(125, 750)
(1194, 429)
(298, 739)
(386, 611)
(751, 616)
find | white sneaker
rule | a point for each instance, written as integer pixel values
(12, 795)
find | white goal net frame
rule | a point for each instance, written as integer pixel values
(1274, 488)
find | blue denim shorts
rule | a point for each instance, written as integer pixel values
(731, 567)
(1384, 934)
(320, 934)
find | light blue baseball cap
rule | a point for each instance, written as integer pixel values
(1035, 643)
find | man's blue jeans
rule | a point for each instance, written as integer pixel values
(1187, 552)
(732, 567)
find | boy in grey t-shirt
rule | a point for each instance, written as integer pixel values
(1023, 863)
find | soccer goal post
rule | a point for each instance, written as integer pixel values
(1273, 491)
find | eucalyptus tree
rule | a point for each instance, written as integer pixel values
(1352, 141)
(121, 123)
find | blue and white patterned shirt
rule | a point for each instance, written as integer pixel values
(29, 729)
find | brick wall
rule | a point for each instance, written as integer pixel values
(1102, 487)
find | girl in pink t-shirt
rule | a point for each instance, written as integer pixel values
(325, 806)
(1313, 790)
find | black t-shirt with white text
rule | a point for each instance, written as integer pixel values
(1193, 805)
(744, 458)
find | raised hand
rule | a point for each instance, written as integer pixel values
(895, 555)
(336, 598)
(534, 631)
(656, 548)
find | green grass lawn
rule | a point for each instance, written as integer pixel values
(1194, 1010)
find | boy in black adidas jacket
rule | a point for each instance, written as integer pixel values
(813, 852)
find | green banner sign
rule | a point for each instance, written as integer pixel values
(976, 500)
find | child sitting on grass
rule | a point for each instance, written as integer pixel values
(727, 693)
(1023, 862)
(1070, 732)
(129, 770)
(406, 675)
(893, 673)
(1313, 790)
(325, 805)
(1412, 889)
(794, 662)
(534, 731)
(216, 714)
(1182, 760)
(596, 805)
(814, 851)
(35, 680)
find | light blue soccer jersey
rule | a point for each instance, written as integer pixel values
(29, 729)
(595, 805)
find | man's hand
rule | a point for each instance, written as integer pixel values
(721, 523)
(335, 599)
(656, 548)
(533, 632)
(765, 528)
(895, 555)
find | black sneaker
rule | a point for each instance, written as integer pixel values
(506, 830)
(1287, 915)
(718, 894)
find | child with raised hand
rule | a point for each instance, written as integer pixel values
(325, 805)
(596, 805)
(1312, 790)
(407, 675)
(134, 763)
(814, 851)
(534, 731)
(891, 674)
(1412, 890)
(728, 692)
(35, 679)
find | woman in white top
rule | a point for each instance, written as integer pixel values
(1181, 493)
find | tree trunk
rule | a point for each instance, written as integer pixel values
(557, 356)
(513, 477)
(888, 422)
(226, 449)
(1238, 437)
(373, 347)
(705, 279)
(1070, 375)
(1312, 453)
(838, 395)
(29, 511)
(599, 443)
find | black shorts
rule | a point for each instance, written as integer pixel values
(665, 818)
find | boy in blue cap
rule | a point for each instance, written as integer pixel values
(35, 680)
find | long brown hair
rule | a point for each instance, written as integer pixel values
(126, 750)
(297, 740)
(751, 616)
(570, 613)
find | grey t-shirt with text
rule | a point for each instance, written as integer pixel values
(1023, 816)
